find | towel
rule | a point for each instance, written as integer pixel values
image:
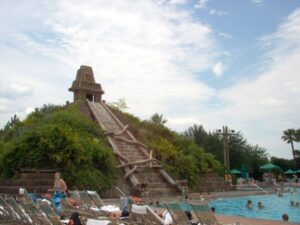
(139, 209)
(110, 208)
(95, 209)
(97, 222)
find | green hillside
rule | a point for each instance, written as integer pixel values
(180, 155)
(55, 137)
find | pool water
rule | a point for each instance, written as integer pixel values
(274, 206)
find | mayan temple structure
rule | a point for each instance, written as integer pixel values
(85, 87)
(138, 171)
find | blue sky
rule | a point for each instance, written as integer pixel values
(210, 62)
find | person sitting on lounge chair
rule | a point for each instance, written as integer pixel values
(118, 214)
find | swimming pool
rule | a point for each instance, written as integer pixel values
(274, 206)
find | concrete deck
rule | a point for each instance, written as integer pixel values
(249, 221)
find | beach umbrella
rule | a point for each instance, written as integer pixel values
(289, 172)
(269, 167)
(234, 171)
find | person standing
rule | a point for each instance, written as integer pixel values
(60, 185)
(60, 191)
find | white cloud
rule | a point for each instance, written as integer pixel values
(201, 4)
(225, 35)
(145, 51)
(217, 12)
(218, 69)
(19, 88)
(258, 2)
(178, 2)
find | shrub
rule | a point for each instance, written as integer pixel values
(61, 138)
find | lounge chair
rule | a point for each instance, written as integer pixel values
(24, 193)
(52, 216)
(85, 203)
(178, 215)
(36, 215)
(203, 213)
(153, 218)
(7, 214)
(95, 198)
(139, 214)
(24, 218)
(76, 196)
(86, 199)
(68, 209)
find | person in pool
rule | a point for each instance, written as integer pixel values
(260, 205)
(249, 204)
(285, 217)
(292, 203)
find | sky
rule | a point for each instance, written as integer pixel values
(209, 62)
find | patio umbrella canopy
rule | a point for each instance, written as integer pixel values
(269, 167)
(234, 171)
(289, 172)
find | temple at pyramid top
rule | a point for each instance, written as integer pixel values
(85, 86)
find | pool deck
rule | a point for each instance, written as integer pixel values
(249, 221)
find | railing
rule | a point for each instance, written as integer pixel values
(260, 188)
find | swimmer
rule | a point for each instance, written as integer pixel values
(285, 217)
(260, 205)
(292, 203)
(249, 204)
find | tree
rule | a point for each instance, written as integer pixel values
(289, 136)
(158, 119)
(284, 164)
(120, 105)
(197, 133)
(13, 121)
(241, 152)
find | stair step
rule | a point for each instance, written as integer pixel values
(157, 184)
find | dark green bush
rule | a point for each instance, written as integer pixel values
(61, 138)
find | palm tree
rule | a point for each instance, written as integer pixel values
(291, 135)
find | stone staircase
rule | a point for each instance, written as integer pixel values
(144, 173)
(35, 181)
(212, 182)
